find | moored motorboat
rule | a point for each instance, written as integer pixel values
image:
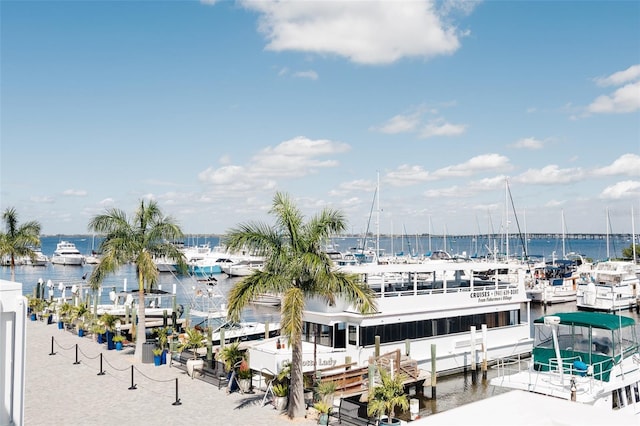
(610, 286)
(589, 357)
(66, 253)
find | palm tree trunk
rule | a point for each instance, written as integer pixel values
(296, 390)
(141, 329)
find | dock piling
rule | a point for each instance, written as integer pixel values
(433, 371)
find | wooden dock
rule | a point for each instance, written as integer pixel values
(351, 380)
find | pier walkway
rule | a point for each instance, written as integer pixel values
(60, 392)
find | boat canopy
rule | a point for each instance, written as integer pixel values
(592, 319)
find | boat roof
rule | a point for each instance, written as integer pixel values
(592, 319)
(428, 266)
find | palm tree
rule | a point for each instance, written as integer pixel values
(146, 235)
(296, 267)
(18, 241)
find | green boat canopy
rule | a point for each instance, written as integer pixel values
(592, 319)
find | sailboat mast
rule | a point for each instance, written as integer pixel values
(607, 228)
(633, 237)
(378, 220)
(564, 253)
(506, 216)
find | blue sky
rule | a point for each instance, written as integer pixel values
(211, 107)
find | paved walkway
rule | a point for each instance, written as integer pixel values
(59, 392)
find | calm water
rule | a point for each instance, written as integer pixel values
(451, 391)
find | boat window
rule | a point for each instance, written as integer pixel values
(325, 335)
(635, 392)
(339, 335)
(398, 332)
(629, 399)
(352, 335)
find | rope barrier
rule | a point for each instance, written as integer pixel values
(102, 372)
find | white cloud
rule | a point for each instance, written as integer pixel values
(488, 184)
(621, 77)
(476, 164)
(75, 192)
(401, 123)
(371, 32)
(550, 175)
(453, 191)
(528, 143)
(439, 127)
(296, 157)
(43, 200)
(625, 189)
(311, 75)
(554, 203)
(627, 164)
(107, 202)
(406, 175)
(624, 99)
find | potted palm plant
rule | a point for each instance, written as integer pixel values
(98, 330)
(324, 410)
(118, 340)
(157, 356)
(193, 340)
(280, 396)
(64, 313)
(163, 338)
(244, 376)
(109, 322)
(326, 390)
(386, 396)
(231, 356)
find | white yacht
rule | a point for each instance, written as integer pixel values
(66, 253)
(610, 286)
(589, 357)
(556, 281)
(438, 307)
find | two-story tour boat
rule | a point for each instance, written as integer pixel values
(438, 305)
(588, 357)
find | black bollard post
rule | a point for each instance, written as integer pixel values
(177, 401)
(52, 352)
(133, 386)
(101, 373)
(77, 361)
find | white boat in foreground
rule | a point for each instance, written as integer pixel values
(589, 357)
(66, 253)
(439, 303)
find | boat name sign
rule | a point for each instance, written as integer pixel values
(494, 295)
(329, 362)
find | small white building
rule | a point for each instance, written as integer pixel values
(13, 337)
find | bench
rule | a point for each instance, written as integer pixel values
(215, 376)
(353, 412)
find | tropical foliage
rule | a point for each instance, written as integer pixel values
(627, 253)
(388, 395)
(296, 267)
(230, 355)
(18, 240)
(193, 340)
(148, 234)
